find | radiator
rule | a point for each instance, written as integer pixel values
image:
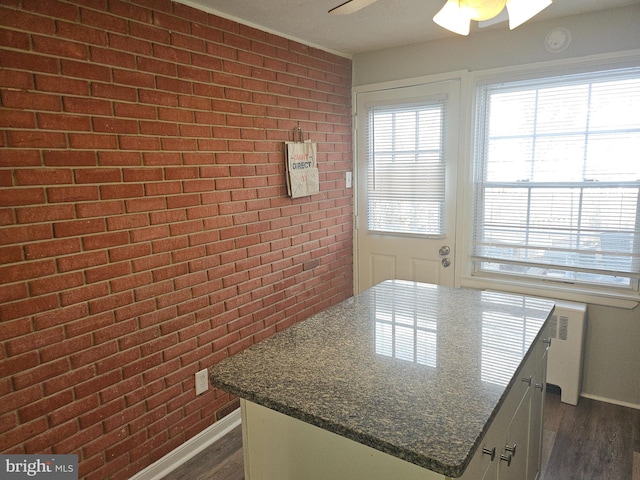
(567, 327)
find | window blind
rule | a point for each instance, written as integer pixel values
(557, 179)
(406, 168)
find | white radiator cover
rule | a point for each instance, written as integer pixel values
(567, 327)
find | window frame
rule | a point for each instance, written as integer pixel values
(465, 274)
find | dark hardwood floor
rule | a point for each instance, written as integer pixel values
(221, 461)
(591, 441)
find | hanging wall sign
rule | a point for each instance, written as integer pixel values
(301, 168)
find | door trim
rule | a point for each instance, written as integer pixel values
(463, 153)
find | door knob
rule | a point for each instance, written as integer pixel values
(444, 251)
(446, 262)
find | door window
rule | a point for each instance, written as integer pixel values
(406, 169)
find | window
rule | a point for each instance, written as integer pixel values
(406, 169)
(557, 180)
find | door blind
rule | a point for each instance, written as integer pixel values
(406, 169)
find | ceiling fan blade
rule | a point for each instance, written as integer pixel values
(350, 6)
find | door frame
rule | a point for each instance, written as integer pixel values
(462, 167)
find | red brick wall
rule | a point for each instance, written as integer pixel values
(144, 228)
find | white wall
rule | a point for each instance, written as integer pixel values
(601, 32)
(612, 355)
(612, 348)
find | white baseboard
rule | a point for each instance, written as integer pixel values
(610, 400)
(190, 448)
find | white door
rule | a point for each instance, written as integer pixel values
(406, 156)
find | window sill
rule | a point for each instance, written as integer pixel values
(554, 291)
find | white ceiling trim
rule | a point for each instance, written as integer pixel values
(203, 8)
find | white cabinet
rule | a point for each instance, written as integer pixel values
(412, 369)
(278, 447)
(511, 449)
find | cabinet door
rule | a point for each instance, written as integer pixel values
(513, 458)
(486, 459)
(492, 471)
(537, 409)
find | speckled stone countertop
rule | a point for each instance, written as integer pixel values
(415, 370)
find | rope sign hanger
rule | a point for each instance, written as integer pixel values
(301, 168)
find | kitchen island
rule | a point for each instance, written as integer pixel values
(406, 380)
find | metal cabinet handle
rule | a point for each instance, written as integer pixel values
(511, 449)
(547, 341)
(507, 458)
(540, 386)
(527, 380)
(489, 451)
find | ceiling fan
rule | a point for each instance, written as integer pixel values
(456, 15)
(350, 6)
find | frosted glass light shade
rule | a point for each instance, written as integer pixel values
(522, 10)
(481, 10)
(454, 17)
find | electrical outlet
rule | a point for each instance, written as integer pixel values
(202, 382)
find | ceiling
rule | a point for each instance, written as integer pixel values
(386, 23)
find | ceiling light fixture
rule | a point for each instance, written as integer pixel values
(456, 15)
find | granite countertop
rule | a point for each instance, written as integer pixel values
(415, 370)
